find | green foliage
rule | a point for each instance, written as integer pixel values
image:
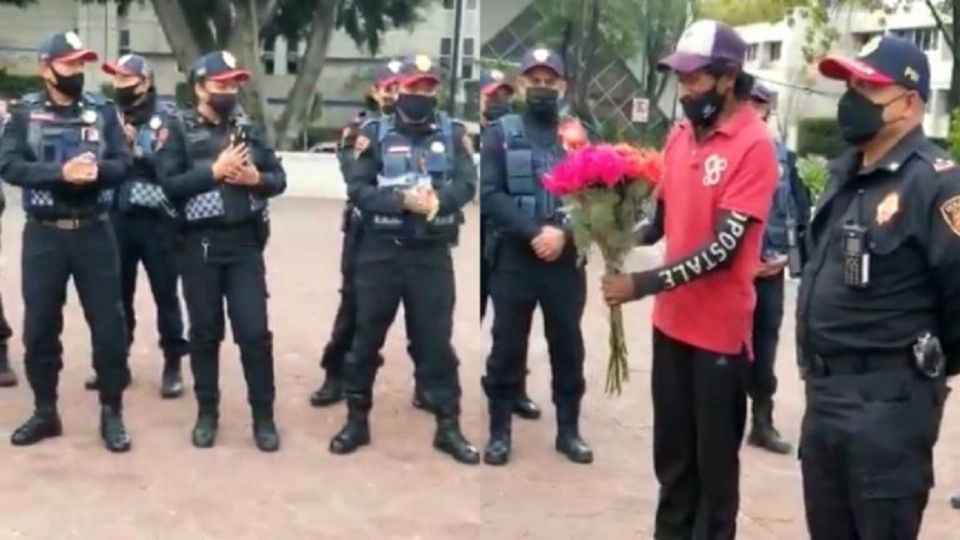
(18, 85)
(366, 20)
(814, 174)
(819, 136)
(607, 217)
(953, 136)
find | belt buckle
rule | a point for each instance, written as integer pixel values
(67, 224)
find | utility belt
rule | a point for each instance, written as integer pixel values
(926, 358)
(70, 224)
(257, 226)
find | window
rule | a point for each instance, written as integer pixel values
(468, 44)
(124, 42)
(928, 39)
(446, 46)
(472, 4)
(293, 56)
(752, 50)
(466, 70)
(774, 51)
(269, 66)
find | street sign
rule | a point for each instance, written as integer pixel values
(641, 110)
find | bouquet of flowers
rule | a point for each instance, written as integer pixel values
(604, 187)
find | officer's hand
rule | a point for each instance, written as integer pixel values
(247, 175)
(617, 289)
(548, 245)
(771, 268)
(129, 134)
(229, 161)
(81, 169)
(416, 201)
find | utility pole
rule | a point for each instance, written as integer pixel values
(455, 60)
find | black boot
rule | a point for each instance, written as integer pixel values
(569, 442)
(44, 424)
(450, 440)
(91, 382)
(955, 501)
(330, 392)
(420, 400)
(8, 377)
(497, 451)
(171, 386)
(355, 433)
(112, 430)
(524, 407)
(205, 430)
(265, 429)
(763, 434)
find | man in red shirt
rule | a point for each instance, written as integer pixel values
(720, 175)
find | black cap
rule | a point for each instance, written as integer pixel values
(219, 66)
(492, 80)
(543, 57)
(65, 46)
(705, 43)
(761, 93)
(884, 61)
(130, 65)
(385, 74)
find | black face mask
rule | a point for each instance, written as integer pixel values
(860, 119)
(543, 102)
(415, 108)
(496, 109)
(703, 110)
(69, 85)
(388, 107)
(223, 104)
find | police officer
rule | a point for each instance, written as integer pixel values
(8, 377)
(533, 262)
(381, 96)
(142, 217)
(789, 213)
(218, 174)
(878, 315)
(66, 155)
(412, 177)
(496, 101)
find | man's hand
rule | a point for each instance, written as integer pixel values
(129, 134)
(81, 169)
(229, 162)
(548, 245)
(420, 200)
(617, 289)
(771, 268)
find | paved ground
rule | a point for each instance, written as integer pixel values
(399, 488)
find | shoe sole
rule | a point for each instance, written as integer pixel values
(320, 403)
(171, 394)
(57, 433)
(119, 449)
(347, 451)
(268, 449)
(8, 384)
(455, 457)
(526, 415)
(499, 462)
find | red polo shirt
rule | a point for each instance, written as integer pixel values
(734, 169)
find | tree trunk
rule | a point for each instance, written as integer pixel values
(197, 19)
(304, 87)
(953, 97)
(244, 43)
(587, 55)
(173, 21)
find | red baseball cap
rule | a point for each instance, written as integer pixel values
(65, 46)
(417, 68)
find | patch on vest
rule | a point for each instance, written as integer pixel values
(437, 147)
(950, 211)
(888, 208)
(941, 164)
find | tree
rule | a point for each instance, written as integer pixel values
(590, 34)
(242, 26)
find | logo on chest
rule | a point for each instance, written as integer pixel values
(713, 168)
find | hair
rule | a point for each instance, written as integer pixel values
(743, 81)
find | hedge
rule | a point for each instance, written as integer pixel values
(819, 136)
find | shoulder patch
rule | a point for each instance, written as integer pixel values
(950, 211)
(888, 208)
(944, 164)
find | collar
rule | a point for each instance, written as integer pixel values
(898, 155)
(729, 127)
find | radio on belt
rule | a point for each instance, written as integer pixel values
(856, 258)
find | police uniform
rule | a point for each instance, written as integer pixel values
(516, 152)
(224, 231)
(68, 235)
(406, 257)
(878, 321)
(143, 221)
(344, 323)
(8, 377)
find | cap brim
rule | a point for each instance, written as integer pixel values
(681, 62)
(543, 65)
(387, 81)
(113, 69)
(84, 55)
(843, 69)
(232, 75)
(490, 88)
(414, 79)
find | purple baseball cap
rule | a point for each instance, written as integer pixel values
(704, 43)
(761, 93)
